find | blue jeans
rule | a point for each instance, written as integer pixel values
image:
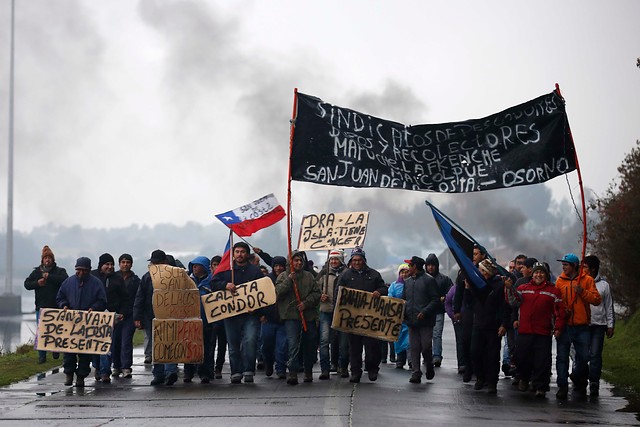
(242, 338)
(297, 337)
(274, 345)
(596, 342)
(437, 337)
(122, 346)
(326, 335)
(579, 337)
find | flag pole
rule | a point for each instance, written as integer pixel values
(231, 254)
(584, 206)
(291, 133)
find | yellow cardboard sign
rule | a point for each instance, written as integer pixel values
(75, 331)
(249, 297)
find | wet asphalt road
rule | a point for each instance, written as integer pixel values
(390, 401)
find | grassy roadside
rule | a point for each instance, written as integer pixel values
(620, 361)
(23, 363)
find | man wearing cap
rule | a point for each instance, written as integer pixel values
(491, 315)
(578, 291)
(327, 280)
(422, 300)
(46, 279)
(242, 330)
(444, 283)
(143, 318)
(116, 298)
(541, 316)
(122, 350)
(82, 291)
(360, 276)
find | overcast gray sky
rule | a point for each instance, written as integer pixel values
(147, 112)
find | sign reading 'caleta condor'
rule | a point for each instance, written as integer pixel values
(75, 331)
(248, 297)
(526, 144)
(358, 312)
(333, 231)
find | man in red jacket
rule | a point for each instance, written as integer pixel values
(542, 314)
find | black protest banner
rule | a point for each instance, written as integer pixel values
(177, 341)
(525, 144)
(333, 231)
(75, 331)
(357, 312)
(248, 297)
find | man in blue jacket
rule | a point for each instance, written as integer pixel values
(81, 291)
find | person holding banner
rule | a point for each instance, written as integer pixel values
(295, 305)
(422, 300)
(45, 280)
(360, 276)
(242, 330)
(82, 291)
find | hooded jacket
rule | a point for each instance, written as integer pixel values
(327, 279)
(443, 283)
(203, 283)
(308, 290)
(578, 310)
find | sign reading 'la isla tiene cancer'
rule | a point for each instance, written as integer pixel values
(333, 231)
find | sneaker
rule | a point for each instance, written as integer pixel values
(157, 381)
(437, 362)
(354, 378)
(344, 373)
(97, 375)
(334, 368)
(594, 389)
(292, 379)
(372, 375)
(523, 385)
(116, 372)
(106, 378)
(79, 381)
(461, 370)
(187, 379)
(147, 360)
(430, 372)
(562, 393)
(506, 369)
(172, 378)
(281, 375)
(260, 365)
(68, 380)
(205, 380)
(492, 389)
(541, 394)
(236, 380)
(467, 376)
(268, 370)
(56, 355)
(324, 375)
(308, 377)
(127, 373)
(479, 385)
(218, 374)
(416, 378)
(384, 361)
(399, 366)
(392, 358)
(248, 378)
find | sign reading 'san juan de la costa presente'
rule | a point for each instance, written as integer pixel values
(525, 144)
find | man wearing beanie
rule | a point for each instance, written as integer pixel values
(272, 331)
(116, 298)
(443, 284)
(327, 280)
(122, 350)
(82, 291)
(46, 279)
(360, 276)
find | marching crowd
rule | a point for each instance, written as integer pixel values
(520, 311)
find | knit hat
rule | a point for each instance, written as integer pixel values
(125, 256)
(278, 260)
(538, 266)
(358, 251)
(487, 266)
(46, 251)
(83, 263)
(403, 266)
(337, 253)
(105, 258)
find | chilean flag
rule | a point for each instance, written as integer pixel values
(225, 263)
(259, 214)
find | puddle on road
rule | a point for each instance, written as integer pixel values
(632, 397)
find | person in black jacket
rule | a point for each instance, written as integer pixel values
(116, 299)
(422, 301)
(122, 350)
(46, 279)
(360, 276)
(443, 284)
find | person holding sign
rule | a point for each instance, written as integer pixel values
(46, 279)
(82, 291)
(360, 276)
(421, 294)
(292, 309)
(242, 330)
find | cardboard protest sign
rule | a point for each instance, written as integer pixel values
(249, 297)
(333, 231)
(75, 331)
(175, 295)
(177, 341)
(357, 312)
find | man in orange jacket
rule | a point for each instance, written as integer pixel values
(578, 291)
